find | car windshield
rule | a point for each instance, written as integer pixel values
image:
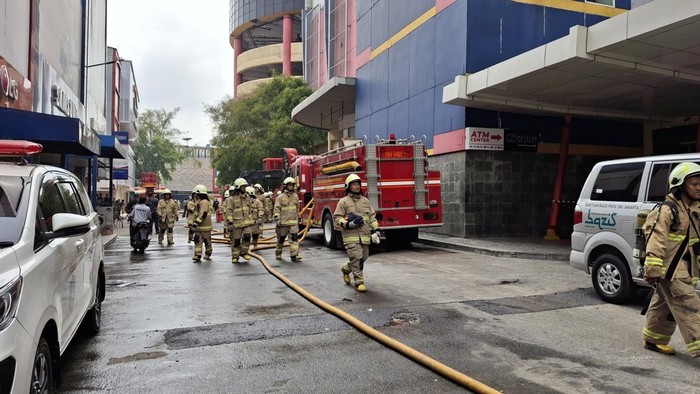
(12, 208)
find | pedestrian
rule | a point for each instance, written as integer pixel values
(201, 225)
(167, 216)
(256, 215)
(238, 220)
(358, 225)
(286, 217)
(674, 302)
(153, 204)
(189, 213)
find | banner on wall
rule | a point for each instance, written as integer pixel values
(120, 169)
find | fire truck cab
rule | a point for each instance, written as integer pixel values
(395, 179)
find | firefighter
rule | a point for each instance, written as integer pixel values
(226, 196)
(260, 195)
(356, 218)
(286, 217)
(256, 214)
(201, 226)
(238, 220)
(189, 213)
(674, 302)
(167, 214)
(268, 205)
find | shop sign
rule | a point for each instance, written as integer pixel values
(479, 138)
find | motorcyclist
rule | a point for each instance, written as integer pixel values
(167, 215)
(139, 214)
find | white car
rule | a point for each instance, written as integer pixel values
(51, 270)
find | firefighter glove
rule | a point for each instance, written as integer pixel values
(230, 227)
(277, 220)
(261, 221)
(375, 237)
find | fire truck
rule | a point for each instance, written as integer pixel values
(395, 178)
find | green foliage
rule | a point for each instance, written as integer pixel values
(255, 126)
(155, 148)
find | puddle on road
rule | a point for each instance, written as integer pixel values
(537, 303)
(137, 357)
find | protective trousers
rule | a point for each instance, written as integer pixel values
(282, 232)
(255, 231)
(163, 228)
(682, 308)
(358, 254)
(199, 238)
(240, 242)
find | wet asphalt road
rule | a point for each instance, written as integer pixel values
(520, 326)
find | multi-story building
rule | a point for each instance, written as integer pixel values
(516, 99)
(52, 73)
(266, 40)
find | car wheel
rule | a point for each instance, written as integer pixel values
(329, 235)
(611, 279)
(93, 318)
(42, 373)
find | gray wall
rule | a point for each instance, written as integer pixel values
(492, 194)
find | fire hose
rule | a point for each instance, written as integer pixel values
(407, 351)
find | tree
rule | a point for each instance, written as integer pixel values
(255, 126)
(155, 149)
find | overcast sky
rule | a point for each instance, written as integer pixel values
(181, 56)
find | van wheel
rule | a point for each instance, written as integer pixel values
(329, 236)
(611, 279)
(42, 372)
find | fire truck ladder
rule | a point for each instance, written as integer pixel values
(372, 174)
(419, 175)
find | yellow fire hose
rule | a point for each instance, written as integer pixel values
(407, 351)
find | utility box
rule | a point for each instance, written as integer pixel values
(106, 215)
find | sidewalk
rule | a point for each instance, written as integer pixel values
(516, 247)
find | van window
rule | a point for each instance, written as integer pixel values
(618, 182)
(658, 184)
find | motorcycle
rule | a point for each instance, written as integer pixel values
(140, 236)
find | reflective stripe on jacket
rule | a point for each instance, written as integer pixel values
(287, 208)
(358, 205)
(167, 211)
(191, 208)
(203, 215)
(256, 210)
(664, 242)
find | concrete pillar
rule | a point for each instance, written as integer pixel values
(237, 78)
(559, 182)
(287, 45)
(333, 139)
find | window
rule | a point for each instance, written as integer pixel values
(50, 202)
(618, 182)
(70, 198)
(658, 184)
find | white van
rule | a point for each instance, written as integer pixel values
(603, 238)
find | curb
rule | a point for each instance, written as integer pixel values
(496, 253)
(109, 242)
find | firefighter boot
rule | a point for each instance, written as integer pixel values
(361, 288)
(346, 273)
(663, 349)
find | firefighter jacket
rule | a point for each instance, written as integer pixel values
(358, 205)
(203, 215)
(191, 207)
(256, 210)
(664, 240)
(287, 208)
(237, 210)
(167, 211)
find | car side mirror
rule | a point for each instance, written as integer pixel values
(68, 224)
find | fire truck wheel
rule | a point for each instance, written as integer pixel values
(330, 238)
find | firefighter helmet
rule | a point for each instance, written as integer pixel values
(352, 178)
(258, 186)
(238, 183)
(200, 189)
(250, 190)
(165, 191)
(681, 172)
(289, 180)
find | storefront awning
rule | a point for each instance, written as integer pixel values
(111, 148)
(327, 105)
(57, 134)
(640, 65)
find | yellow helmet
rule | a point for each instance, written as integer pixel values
(289, 180)
(200, 189)
(165, 191)
(681, 172)
(250, 190)
(238, 183)
(258, 186)
(352, 178)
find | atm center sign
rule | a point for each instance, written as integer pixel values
(479, 138)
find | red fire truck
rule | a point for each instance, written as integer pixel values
(395, 178)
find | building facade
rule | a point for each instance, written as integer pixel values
(266, 39)
(516, 99)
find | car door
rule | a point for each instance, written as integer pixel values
(64, 253)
